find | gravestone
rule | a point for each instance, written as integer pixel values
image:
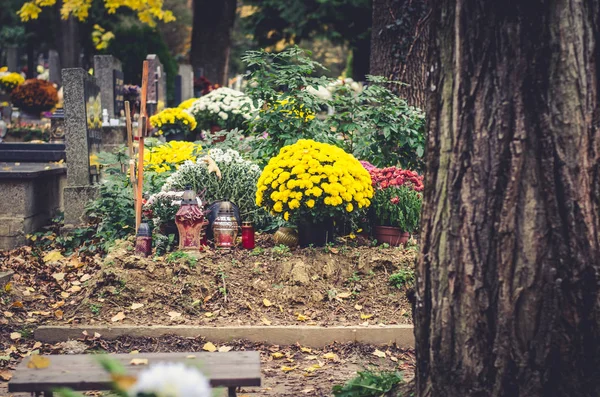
(54, 67)
(83, 137)
(109, 76)
(186, 75)
(157, 83)
(12, 58)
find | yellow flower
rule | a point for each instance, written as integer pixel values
(286, 216)
(310, 203)
(350, 207)
(278, 206)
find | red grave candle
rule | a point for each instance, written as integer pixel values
(248, 235)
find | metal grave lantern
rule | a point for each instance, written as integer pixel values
(190, 222)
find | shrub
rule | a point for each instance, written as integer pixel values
(237, 182)
(35, 96)
(398, 206)
(165, 157)
(313, 180)
(9, 81)
(173, 121)
(402, 278)
(225, 108)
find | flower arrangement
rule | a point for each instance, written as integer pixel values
(395, 176)
(35, 96)
(223, 107)
(309, 179)
(9, 81)
(170, 156)
(187, 103)
(233, 179)
(173, 121)
(162, 207)
(397, 206)
(397, 200)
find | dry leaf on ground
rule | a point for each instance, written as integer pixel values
(139, 361)
(379, 353)
(225, 349)
(38, 362)
(118, 317)
(15, 335)
(209, 347)
(135, 306)
(267, 302)
(5, 375)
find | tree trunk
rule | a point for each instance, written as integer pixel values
(399, 39)
(508, 299)
(67, 41)
(211, 38)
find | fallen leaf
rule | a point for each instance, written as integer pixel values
(209, 347)
(208, 314)
(174, 315)
(123, 382)
(8, 314)
(344, 295)
(85, 278)
(334, 250)
(301, 317)
(59, 276)
(15, 335)
(288, 369)
(8, 287)
(75, 288)
(5, 375)
(134, 352)
(277, 355)
(139, 361)
(306, 391)
(267, 302)
(365, 316)
(97, 335)
(331, 356)
(379, 353)
(57, 304)
(53, 256)
(190, 356)
(118, 317)
(358, 307)
(265, 321)
(17, 304)
(225, 349)
(135, 306)
(306, 350)
(38, 362)
(64, 294)
(394, 359)
(312, 357)
(37, 345)
(314, 367)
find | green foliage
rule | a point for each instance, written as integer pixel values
(132, 44)
(368, 384)
(281, 250)
(183, 258)
(113, 211)
(398, 206)
(378, 126)
(163, 243)
(289, 114)
(402, 278)
(81, 240)
(27, 134)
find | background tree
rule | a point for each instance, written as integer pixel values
(211, 38)
(508, 300)
(291, 22)
(399, 39)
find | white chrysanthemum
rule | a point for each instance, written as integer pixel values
(223, 115)
(172, 380)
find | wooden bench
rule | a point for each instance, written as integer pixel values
(82, 372)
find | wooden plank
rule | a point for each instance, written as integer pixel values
(143, 128)
(82, 372)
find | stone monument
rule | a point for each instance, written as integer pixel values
(83, 137)
(157, 84)
(186, 77)
(109, 75)
(54, 67)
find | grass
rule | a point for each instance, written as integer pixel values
(368, 384)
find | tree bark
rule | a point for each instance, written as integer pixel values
(399, 42)
(508, 300)
(211, 38)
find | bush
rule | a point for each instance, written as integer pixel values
(236, 184)
(35, 96)
(173, 121)
(224, 108)
(398, 206)
(9, 81)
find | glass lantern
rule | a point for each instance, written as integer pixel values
(190, 222)
(57, 126)
(225, 226)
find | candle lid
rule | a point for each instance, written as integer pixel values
(246, 223)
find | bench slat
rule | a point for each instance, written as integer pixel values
(82, 372)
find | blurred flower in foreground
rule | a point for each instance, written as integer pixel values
(172, 380)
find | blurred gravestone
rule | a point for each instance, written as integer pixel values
(12, 58)
(157, 83)
(83, 137)
(109, 76)
(186, 75)
(54, 67)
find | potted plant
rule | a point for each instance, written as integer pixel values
(174, 124)
(34, 96)
(396, 205)
(311, 184)
(222, 109)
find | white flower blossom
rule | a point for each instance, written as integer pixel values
(171, 379)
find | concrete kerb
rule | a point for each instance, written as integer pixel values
(401, 335)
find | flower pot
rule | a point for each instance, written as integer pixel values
(316, 233)
(180, 136)
(286, 236)
(390, 235)
(216, 128)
